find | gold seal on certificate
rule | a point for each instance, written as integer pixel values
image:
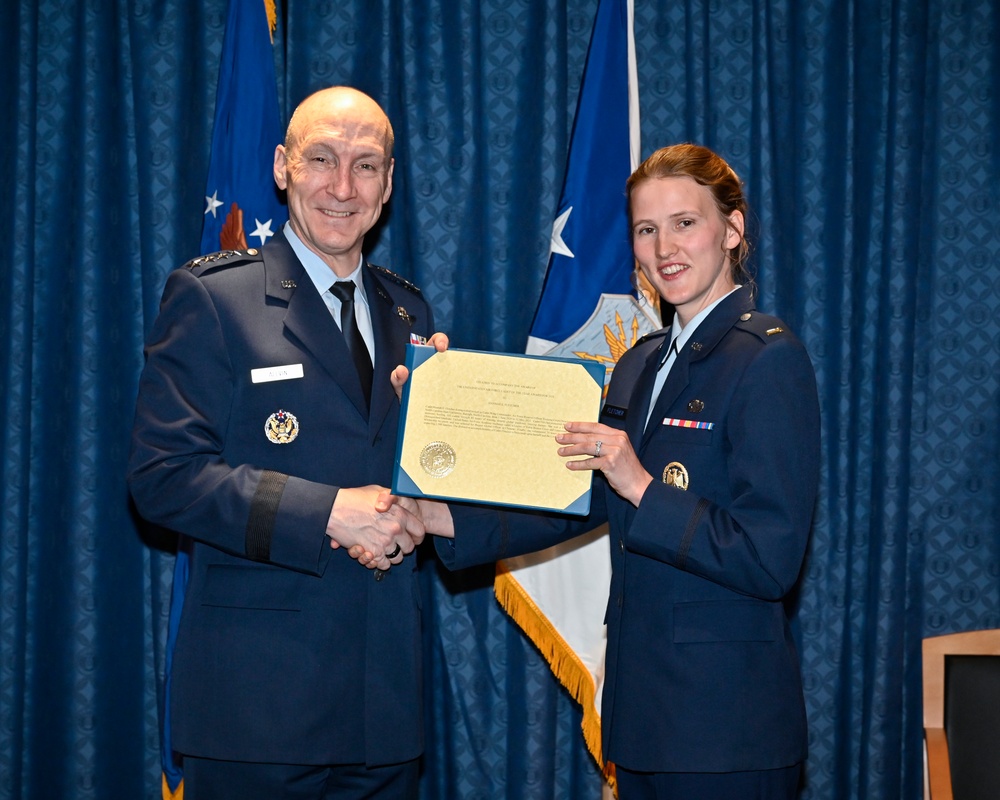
(480, 427)
(437, 459)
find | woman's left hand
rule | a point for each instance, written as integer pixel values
(610, 452)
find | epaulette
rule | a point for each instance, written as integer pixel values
(763, 326)
(652, 335)
(389, 275)
(224, 258)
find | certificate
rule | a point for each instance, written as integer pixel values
(481, 427)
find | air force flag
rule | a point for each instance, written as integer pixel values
(558, 596)
(242, 205)
(591, 254)
(242, 209)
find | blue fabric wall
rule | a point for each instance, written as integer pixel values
(867, 135)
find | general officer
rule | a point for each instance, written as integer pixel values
(707, 453)
(265, 427)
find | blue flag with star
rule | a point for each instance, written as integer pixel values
(242, 209)
(591, 253)
(242, 204)
(587, 311)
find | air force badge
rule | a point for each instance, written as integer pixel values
(281, 427)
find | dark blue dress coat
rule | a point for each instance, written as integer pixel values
(702, 672)
(288, 651)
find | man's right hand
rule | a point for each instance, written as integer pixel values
(399, 376)
(370, 534)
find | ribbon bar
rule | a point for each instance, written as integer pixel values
(688, 423)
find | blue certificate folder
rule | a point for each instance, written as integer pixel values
(476, 431)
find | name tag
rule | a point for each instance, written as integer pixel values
(268, 374)
(615, 412)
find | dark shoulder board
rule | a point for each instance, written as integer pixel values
(223, 259)
(389, 275)
(652, 335)
(763, 326)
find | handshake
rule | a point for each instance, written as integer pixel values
(379, 528)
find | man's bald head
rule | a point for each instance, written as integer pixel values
(342, 102)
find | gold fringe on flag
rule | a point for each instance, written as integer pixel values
(272, 17)
(564, 663)
(169, 795)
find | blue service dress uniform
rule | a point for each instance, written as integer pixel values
(702, 674)
(288, 651)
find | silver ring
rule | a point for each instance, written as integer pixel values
(597, 448)
(394, 553)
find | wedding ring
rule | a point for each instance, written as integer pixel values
(394, 553)
(597, 448)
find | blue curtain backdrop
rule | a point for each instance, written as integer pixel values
(867, 133)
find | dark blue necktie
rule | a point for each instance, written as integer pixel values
(672, 349)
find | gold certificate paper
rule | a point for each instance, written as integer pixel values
(480, 427)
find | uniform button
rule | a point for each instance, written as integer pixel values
(379, 575)
(621, 545)
(619, 601)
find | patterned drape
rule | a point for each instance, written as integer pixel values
(867, 133)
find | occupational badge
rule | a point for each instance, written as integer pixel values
(404, 315)
(676, 474)
(281, 427)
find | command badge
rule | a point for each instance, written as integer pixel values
(676, 474)
(281, 427)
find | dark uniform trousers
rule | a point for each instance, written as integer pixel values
(205, 779)
(766, 784)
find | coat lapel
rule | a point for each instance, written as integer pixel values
(392, 332)
(308, 318)
(641, 394)
(704, 339)
(675, 383)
